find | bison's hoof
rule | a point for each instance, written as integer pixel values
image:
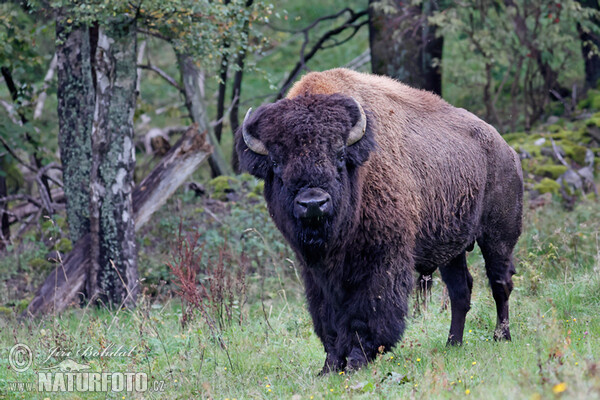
(332, 365)
(454, 342)
(500, 336)
(502, 331)
(356, 360)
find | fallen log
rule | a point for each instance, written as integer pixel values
(63, 285)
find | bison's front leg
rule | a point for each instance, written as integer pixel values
(374, 317)
(323, 316)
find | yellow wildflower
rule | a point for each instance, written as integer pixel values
(559, 388)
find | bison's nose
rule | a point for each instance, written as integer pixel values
(312, 203)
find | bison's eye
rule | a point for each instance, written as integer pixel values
(341, 158)
(276, 167)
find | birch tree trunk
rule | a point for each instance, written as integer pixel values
(75, 116)
(113, 277)
(403, 44)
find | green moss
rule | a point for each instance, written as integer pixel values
(532, 149)
(64, 245)
(221, 185)
(565, 134)
(515, 138)
(555, 128)
(253, 196)
(574, 151)
(550, 171)
(547, 185)
(246, 177)
(6, 311)
(594, 120)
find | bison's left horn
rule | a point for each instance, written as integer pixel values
(253, 143)
(358, 130)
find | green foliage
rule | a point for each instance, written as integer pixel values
(591, 101)
(21, 37)
(511, 56)
(205, 29)
(64, 245)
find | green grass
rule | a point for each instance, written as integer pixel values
(268, 349)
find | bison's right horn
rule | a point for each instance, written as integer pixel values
(358, 130)
(253, 143)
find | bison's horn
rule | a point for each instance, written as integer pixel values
(358, 130)
(253, 143)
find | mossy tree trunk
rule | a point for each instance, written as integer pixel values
(589, 40)
(403, 44)
(75, 116)
(113, 277)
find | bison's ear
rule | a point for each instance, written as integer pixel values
(358, 152)
(255, 163)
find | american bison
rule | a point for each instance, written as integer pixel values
(369, 180)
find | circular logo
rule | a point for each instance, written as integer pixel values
(20, 357)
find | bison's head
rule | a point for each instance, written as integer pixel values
(308, 150)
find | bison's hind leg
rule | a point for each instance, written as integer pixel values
(459, 281)
(499, 268)
(424, 284)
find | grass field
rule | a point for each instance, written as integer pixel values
(256, 341)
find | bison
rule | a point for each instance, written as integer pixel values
(369, 180)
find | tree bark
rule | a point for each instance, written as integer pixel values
(75, 117)
(194, 101)
(588, 41)
(113, 276)
(4, 223)
(62, 287)
(403, 44)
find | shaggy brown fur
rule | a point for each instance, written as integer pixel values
(437, 180)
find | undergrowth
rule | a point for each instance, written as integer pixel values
(234, 324)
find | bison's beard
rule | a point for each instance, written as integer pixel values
(314, 236)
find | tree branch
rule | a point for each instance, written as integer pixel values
(16, 157)
(163, 75)
(304, 58)
(155, 34)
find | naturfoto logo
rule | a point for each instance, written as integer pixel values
(69, 375)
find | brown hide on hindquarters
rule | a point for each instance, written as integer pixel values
(435, 160)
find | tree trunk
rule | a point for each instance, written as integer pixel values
(75, 117)
(403, 44)
(113, 274)
(63, 285)
(589, 40)
(192, 85)
(237, 92)
(4, 223)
